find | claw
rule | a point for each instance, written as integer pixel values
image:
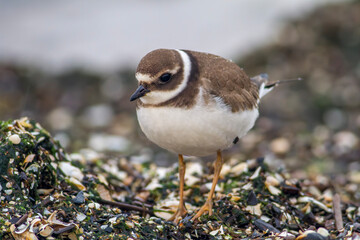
(207, 207)
(178, 215)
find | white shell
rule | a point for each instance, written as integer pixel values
(15, 139)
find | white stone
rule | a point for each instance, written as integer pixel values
(15, 139)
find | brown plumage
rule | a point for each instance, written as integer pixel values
(218, 77)
(223, 78)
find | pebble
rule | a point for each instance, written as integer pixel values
(272, 181)
(15, 139)
(346, 140)
(80, 198)
(354, 177)
(252, 200)
(280, 145)
(263, 226)
(334, 118)
(106, 142)
(60, 119)
(324, 232)
(98, 116)
(8, 191)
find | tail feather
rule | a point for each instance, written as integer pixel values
(262, 81)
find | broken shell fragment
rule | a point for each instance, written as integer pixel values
(34, 222)
(256, 173)
(46, 230)
(274, 190)
(239, 168)
(71, 171)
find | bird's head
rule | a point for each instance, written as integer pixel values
(162, 75)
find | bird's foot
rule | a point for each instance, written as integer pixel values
(206, 207)
(179, 214)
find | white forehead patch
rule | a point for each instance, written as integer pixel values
(143, 77)
(157, 97)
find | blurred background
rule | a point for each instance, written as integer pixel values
(70, 66)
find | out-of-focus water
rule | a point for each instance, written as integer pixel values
(106, 35)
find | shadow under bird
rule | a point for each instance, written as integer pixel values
(196, 104)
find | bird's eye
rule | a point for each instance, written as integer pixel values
(165, 77)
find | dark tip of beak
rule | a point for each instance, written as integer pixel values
(140, 91)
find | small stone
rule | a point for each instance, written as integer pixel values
(252, 200)
(323, 232)
(15, 139)
(8, 191)
(346, 140)
(106, 142)
(263, 226)
(60, 119)
(355, 177)
(97, 116)
(80, 198)
(270, 180)
(280, 145)
(288, 189)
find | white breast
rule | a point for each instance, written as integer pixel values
(199, 131)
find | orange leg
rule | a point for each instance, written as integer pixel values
(208, 204)
(181, 211)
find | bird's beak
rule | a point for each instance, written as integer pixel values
(140, 92)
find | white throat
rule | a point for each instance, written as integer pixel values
(157, 97)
